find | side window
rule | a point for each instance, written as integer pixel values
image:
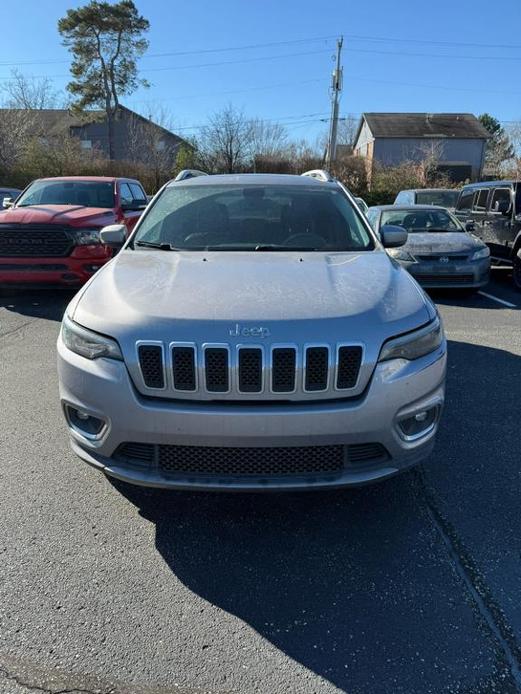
(138, 193)
(465, 200)
(500, 195)
(126, 194)
(400, 198)
(480, 200)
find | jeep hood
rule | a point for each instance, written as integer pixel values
(196, 296)
(67, 215)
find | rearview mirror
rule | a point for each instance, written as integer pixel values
(393, 236)
(114, 235)
(7, 203)
(470, 225)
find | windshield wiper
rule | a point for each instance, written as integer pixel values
(159, 246)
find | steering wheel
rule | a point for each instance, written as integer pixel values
(306, 239)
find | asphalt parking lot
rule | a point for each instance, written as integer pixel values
(412, 586)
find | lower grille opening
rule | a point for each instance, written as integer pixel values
(446, 279)
(259, 462)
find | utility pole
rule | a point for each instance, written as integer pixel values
(336, 88)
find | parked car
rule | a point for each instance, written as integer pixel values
(51, 235)
(495, 209)
(252, 334)
(8, 195)
(362, 204)
(439, 251)
(443, 197)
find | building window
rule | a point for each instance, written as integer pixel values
(86, 144)
(160, 146)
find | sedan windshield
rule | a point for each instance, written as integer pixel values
(421, 220)
(253, 217)
(443, 198)
(84, 193)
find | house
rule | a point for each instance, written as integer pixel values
(135, 138)
(456, 140)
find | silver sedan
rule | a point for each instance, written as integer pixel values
(439, 252)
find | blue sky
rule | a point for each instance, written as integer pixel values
(401, 55)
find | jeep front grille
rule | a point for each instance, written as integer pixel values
(213, 371)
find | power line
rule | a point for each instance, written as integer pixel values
(390, 39)
(224, 49)
(202, 65)
(231, 91)
(434, 55)
(433, 86)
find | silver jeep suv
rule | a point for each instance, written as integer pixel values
(252, 333)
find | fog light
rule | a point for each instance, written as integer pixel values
(418, 424)
(84, 423)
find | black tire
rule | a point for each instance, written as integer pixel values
(516, 271)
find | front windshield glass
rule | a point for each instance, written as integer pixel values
(421, 220)
(442, 198)
(83, 193)
(254, 217)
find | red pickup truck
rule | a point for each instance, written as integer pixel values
(51, 235)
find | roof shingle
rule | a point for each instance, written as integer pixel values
(404, 125)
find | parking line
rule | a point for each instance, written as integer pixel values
(500, 301)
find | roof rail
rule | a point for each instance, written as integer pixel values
(320, 175)
(189, 173)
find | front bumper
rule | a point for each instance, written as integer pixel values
(68, 271)
(436, 275)
(102, 388)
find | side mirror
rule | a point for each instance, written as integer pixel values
(7, 203)
(114, 235)
(470, 225)
(393, 236)
(502, 206)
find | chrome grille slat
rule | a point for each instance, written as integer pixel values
(214, 370)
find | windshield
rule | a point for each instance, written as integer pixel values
(421, 220)
(443, 198)
(84, 193)
(254, 217)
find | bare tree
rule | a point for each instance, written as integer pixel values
(150, 145)
(347, 128)
(16, 128)
(268, 139)
(30, 92)
(225, 144)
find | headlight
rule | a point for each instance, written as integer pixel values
(87, 343)
(482, 253)
(414, 345)
(86, 237)
(399, 254)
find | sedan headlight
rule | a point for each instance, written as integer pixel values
(88, 343)
(400, 254)
(86, 237)
(482, 253)
(414, 345)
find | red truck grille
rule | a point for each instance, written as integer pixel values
(34, 242)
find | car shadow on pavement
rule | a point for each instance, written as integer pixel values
(49, 304)
(355, 585)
